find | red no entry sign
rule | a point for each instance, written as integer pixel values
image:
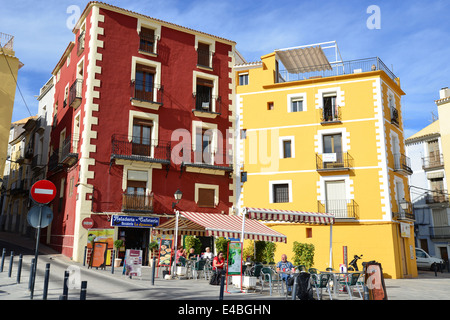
(43, 191)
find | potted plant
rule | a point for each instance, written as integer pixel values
(153, 248)
(117, 244)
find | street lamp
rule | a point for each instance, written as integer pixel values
(177, 195)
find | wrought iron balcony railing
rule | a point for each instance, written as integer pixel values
(133, 148)
(137, 202)
(394, 116)
(432, 162)
(437, 196)
(402, 163)
(147, 92)
(80, 46)
(334, 161)
(75, 93)
(442, 232)
(404, 211)
(331, 114)
(148, 43)
(207, 103)
(69, 151)
(341, 209)
(207, 159)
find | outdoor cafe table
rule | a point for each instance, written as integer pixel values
(337, 277)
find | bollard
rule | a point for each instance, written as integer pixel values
(31, 274)
(435, 269)
(84, 258)
(19, 268)
(153, 270)
(3, 260)
(83, 290)
(294, 289)
(112, 261)
(222, 285)
(11, 261)
(47, 276)
(65, 286)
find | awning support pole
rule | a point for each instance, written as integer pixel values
(331, 245)
(177, 213)
(244, 212)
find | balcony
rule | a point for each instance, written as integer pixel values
(36, 163)
(341, 209)
(339, 161)
(203, 159)
(75, 93)
(69, 151)
(433, 162)
(147, 95)
(402, 164)
(404, 211)
(442, 232)
(41, 124)
(337, 69)
(437, 197)
(153, 151)
(138, 203)
(148, 43)
(331, 115)
(53, 161)
(206, 104)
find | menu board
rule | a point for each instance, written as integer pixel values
(133, 262)
(165, 253)
(234, 258)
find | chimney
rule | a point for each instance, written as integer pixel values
(444, 93)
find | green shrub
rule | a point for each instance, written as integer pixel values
(303, 254)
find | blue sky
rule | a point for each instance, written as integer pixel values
(413, 37)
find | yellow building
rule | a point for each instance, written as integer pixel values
(443, 104)
(9, 67)
(320, 134)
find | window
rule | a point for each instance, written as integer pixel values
(286, 148)
(135, 197)
(206, 197)
(203, 95)
(332, 147)
(243, 79)
(203, 55)
(270, 105)
(144, 82)
(280, 192)
(203, 148)
(147, 40)
(296, 105)
(142, 134)
(308, 232)
(330, 108)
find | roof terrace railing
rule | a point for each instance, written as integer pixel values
(337, 69)
(6, 41)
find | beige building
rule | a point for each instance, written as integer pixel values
(9, 67)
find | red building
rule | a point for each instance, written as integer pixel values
(142, 108)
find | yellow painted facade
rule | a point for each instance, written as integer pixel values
(9, 66)
(443, 105)
(371, 182)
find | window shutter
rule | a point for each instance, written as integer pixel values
(144, 68)
(206, 197)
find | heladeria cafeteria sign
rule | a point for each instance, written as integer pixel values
(134, 221)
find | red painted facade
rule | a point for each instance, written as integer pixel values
(177, 56)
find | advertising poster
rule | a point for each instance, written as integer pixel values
(98, 258)
(102, 235)
(133, 262)
(234, 258)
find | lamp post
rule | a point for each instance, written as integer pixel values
(177, 195)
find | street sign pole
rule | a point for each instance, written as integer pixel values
(36, 253)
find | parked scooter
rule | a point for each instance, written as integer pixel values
(353, 265)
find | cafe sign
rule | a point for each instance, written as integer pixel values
(134, 221)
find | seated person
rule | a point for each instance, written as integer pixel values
(192, 254)
(208, 254)
(285, 266)
(219, 262)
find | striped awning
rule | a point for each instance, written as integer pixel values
(289, 216)
(220, 225)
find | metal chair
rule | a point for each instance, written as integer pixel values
(198, 267)
(207, 269)
(321, 281)
(349, 281)
(267, 275)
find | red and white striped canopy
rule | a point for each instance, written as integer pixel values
(289, 216)
(220, 225)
